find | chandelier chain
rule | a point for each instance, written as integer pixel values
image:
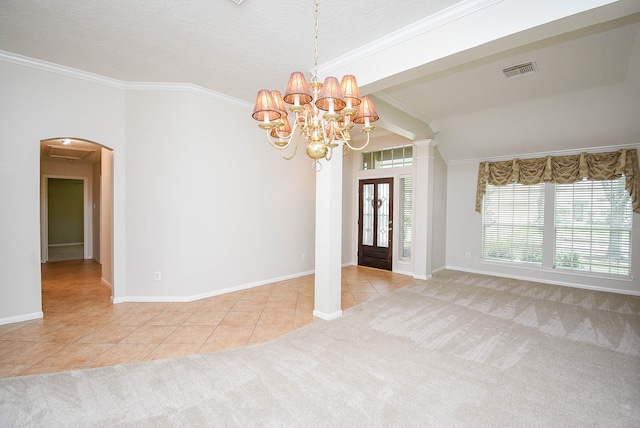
(315, 41)
(324, 113)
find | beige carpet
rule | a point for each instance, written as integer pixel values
(458, 350)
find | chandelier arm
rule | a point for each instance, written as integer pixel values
(295, 149)
(288, 139)
(329, 154)
(345, 126)
(358, 148)
(321, 131)
(277, 146)
(332, 134)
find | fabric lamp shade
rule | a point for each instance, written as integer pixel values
(298, 86)
(277, 98)
(350, 90)
(366, 110)
(282, 131)
(330, 93)
(265, 108)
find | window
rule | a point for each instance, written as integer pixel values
(406, 212)
(513, 223)
(593, 226)
(590, 232)
(388, 158)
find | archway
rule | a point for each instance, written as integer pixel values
(91, 162)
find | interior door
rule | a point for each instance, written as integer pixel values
(375, 223)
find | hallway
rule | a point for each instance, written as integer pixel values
(82, 329)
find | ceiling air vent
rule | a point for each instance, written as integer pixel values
(237, 1)
(519, 70)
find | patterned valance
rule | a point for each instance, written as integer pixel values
(564, 169)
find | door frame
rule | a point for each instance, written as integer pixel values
(390, 232)
(44, 215)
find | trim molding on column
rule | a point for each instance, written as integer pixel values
(327, 317)
(428, 142)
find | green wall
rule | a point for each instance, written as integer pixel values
(65, 211)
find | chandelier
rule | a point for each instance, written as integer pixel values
(323, 113)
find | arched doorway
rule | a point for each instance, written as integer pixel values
(68, 158)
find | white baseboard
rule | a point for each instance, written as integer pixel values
(107, 283)
(438, 270)
(547, 281)
(181, 299)
(403, 272)
(21, 318)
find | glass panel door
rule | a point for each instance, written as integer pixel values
(383, 215)
(375, 232)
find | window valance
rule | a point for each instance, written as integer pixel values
(564, 169)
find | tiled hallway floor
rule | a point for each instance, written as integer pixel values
(82, 329)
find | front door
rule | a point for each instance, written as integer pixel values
(375, 223)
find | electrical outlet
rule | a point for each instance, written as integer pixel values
(304, 257)
(467, 255)
(158, 276)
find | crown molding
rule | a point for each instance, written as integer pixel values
(59, 69)
(118, 84)
(569, 152)
(418, 28)
(185, 87)
(428, 142)
(400, 106)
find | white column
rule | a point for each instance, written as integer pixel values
(328, 273)
(423, 209)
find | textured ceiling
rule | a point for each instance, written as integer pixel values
(219, 45)
(585, 93)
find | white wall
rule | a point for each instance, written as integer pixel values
(36, 105)
(205, 199)
(464, 234)
(351, 176)
(210, 204)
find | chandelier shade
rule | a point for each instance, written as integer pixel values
(324, 113)
(298, 91)
(279, 103)
(265, 109)
(366, 112)
(283, 129)
(350, 91)
(330, 98)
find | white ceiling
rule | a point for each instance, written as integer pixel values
(585, 94)
(68, 150)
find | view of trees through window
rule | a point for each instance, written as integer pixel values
(591, 233)
(593, 226)
(513, 221)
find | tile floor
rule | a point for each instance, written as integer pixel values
(82, 329)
